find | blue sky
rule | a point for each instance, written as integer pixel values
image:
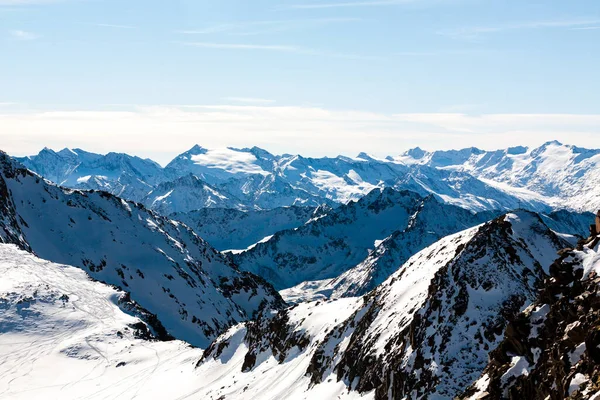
(380, 75)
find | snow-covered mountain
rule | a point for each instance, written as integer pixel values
(185, 194)
(431, 221)
(260, 180)
(328, 246)
(193, 289)
(120, 174)
(562, 175)
(425, 332)
(65, 336)
(231, 229)
(550, 350)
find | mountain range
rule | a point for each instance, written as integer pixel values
(548, 177)
(235, 273)
(190, 287)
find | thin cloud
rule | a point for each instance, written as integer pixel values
(277, 48)
(26, 2)
(264, 27)
(586, 28)
(350, 4)
(249, 100)
(23, 35)
(441, 52)
(477, 31)
(243, 46)
(114, 26)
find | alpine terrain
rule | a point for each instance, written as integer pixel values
(239, 274)
(551, 176)
(192, 289)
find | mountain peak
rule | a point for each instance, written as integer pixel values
(67, 152)
(416, 153)
(47, 150)
(516, 150)
(196, 149)
(552, 143)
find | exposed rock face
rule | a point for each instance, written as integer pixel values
(550, 351)
(423, 333)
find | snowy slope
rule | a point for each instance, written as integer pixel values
(423, 333)
(564, 175)
(186, 194)
(328, 246)
(230, 229)
(64, 336)
(194, 291)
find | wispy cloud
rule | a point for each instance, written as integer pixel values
(114, 26)
(586, 28)
(440, 52)
(277, 48)
(478, 31)
(249, 100)
(243, 46)
(373, 3)
(26, 2)
(23, 35)
(247, 28)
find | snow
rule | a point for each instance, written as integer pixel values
(171, 272)
(560, 175)
(63, 335)
(519, 366)
(327, 247)
(577, 381)
(236, 229)
(256, 179)
(83, 179)
(307, 291)
(263, 240)
(408, 293)
(161, 198)
(590, 261)
(230, 160)
(577, 353)
(387, 316)
(269, 379)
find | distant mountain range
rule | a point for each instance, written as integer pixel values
(549, 177)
